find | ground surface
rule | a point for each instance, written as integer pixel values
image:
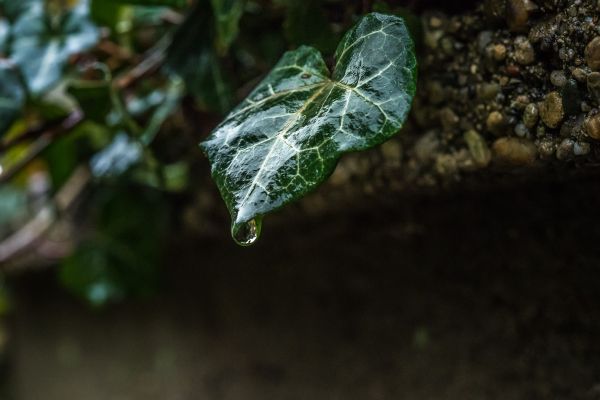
(493, 295)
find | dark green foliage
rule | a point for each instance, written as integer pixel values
(192, 56)
(121, 256)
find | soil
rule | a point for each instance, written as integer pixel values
(483, 295)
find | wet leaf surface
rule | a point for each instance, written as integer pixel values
(287, 136)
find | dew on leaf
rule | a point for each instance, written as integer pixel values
(246, 233)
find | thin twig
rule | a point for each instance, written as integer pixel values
(153, 60)
(41, 143)
(33, 231)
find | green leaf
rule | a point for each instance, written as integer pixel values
(287, 136)
(192, 57)
(93, 95)
(4, 35)
(227, 16)
(42, 43)
(117, 158)
(12, 96)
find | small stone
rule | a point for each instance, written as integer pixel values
(551, 110)
(435, 22)
(524, 53)
(558, 78)
(478, 148)
(579, 74)
(546, 148)
(449, 119)
(531, 115)
(521, 130)
(436, 92)
(515, 151)
(496, 123)
(581, 148)
(593, 84)
(592, 126)
(520, 102)
(488, 91)
(564, 151)
(592, 54)
(498, 52)
(566, 53)
(517, 15)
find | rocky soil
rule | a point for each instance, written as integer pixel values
(506, 87)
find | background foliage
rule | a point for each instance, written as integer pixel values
(96, 100)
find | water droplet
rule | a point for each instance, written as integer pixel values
(305, 76)
(246, 233)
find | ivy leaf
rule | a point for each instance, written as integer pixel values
(12, 96)
(287, 136)
(227, 16)
(42, 44)
(192, 57)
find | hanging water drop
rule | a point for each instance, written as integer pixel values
(246, 233)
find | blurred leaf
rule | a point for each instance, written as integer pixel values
(93, 95)
(307, 24)
(12, 96)
(192, 57)
(13, 207)
(4, 35)
(120, 155)
(62, 160)
(227, 16)
(113, 15)
(163, 3)
(42, 43)
(171, 100)
(121, 257)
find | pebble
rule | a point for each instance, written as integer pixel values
(521, 130)
(579, 74)
(524, 53)
(517, 14)
(564, 150)
(488, 91)
(551, 110)
(558, 78)
(581, 148)
(592, 54)
(593, 84)
(498, 52)
(478, 148)
(496, 123)
(514, 151)
(592, 126)
(546, 148)
(531, 115)
(448, 118)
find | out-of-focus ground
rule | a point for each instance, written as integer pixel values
(492, 295)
